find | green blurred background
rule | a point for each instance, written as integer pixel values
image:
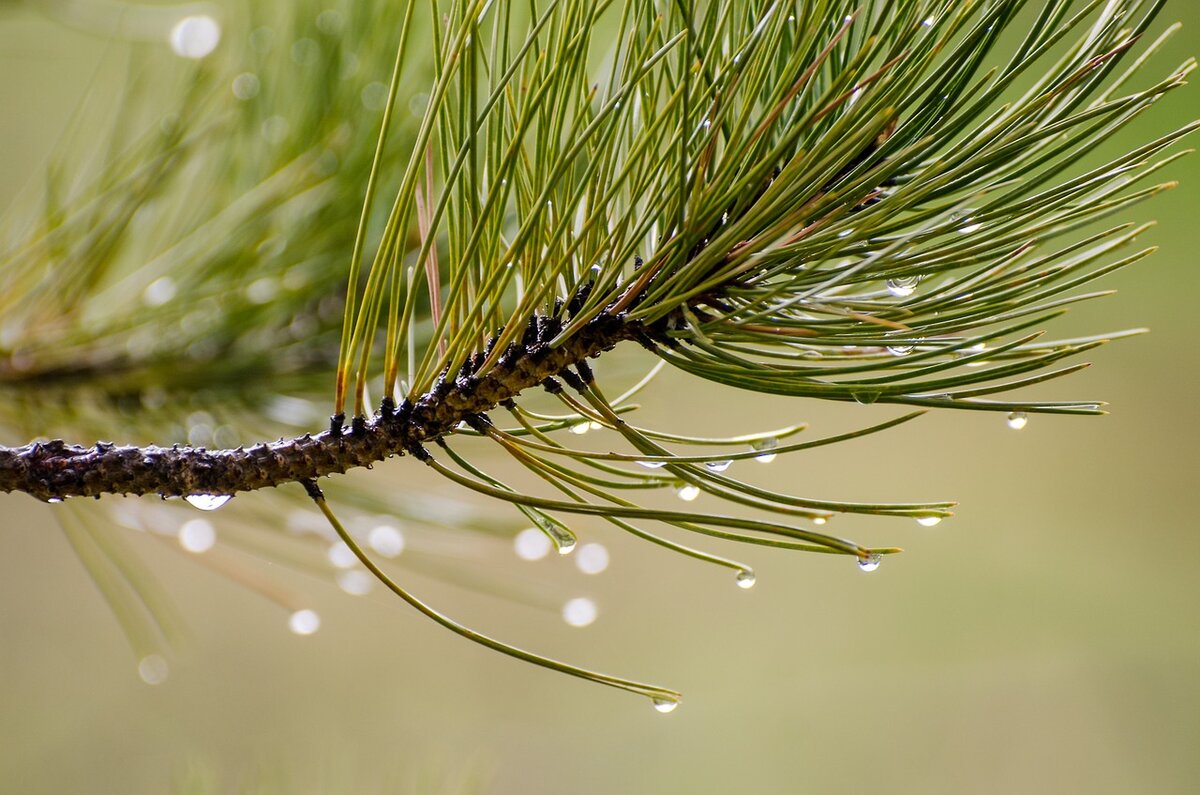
(1046, 639)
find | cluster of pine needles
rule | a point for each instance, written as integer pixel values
(871, 202)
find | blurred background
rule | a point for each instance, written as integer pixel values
(1045, 639)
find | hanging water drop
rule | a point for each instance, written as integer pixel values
(903, 286)
(820, 520)
(304, 622)
(153, 669)
(899, 350)
(665, 705)
(562, 538)
(865, 397)
(766, 445)
(208, 502)
(870, 562)
(718, 466)
(688, 492)
(653, 464)
(1017, 420)
(54, 500)
(746, 579)
(929, 521)
(580, 428)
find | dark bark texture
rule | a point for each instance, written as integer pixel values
(55, 470)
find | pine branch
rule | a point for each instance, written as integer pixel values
(52, 471)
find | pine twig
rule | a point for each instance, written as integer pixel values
(55, 470)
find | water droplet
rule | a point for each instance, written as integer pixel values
(562, 538)
(153, 669)
(866, 397)
(900, 350)
(689, 492)
(54, 500)
(356, 582)
(903, 286)
(718, 466)
(579, 612)
(665, 705)
(653, 464)
(929, 521)
(208, 502)
(1017, 420)
(969, 228)
(870, 562)
(531, 544)
(195, 36)
(341, 555)
(580, 427)
(386, 540)
(197, 535)
(928, 22)
(820, 520)
(746, 579)
(304, 622)
(592, 558)
(594, 426)
(766, 445)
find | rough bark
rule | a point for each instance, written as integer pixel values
(55, 470)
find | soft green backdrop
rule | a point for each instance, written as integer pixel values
(1047, 639)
